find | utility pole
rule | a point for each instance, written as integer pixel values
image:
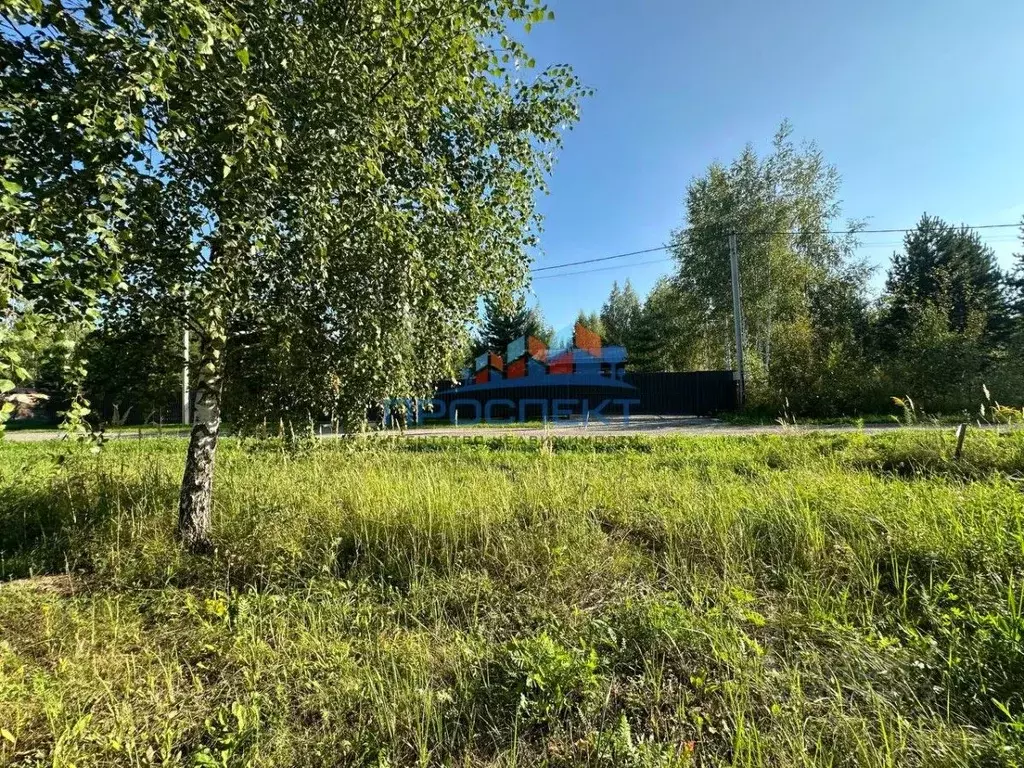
(186, 416)
(737, 318)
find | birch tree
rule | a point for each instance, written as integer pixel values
(345, 178)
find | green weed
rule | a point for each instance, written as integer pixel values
(785, 600)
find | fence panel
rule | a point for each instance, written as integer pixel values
(697, 393)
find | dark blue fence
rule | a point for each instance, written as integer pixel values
(698, 393)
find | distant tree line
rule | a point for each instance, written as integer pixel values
(947, 323)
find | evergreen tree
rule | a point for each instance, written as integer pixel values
(950, 268)
(1015, 282)
(620, 315)
(646, 350)
(592, 322)
(944, 317)
(504, 323)
(666, 335)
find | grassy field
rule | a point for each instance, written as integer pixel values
(805, 600)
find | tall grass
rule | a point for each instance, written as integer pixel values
(803, 600)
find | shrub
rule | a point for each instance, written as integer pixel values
(543, 681)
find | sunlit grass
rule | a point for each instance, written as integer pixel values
(804, 600)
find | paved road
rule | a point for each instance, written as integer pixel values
(642, 425)
(653, 426)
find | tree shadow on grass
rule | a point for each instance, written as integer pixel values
(51, 527)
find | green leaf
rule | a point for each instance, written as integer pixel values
(6, 385)
(243, 56)
(12, 187)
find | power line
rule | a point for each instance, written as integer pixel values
(896, 244)
(862, 246)
(755, 233)
(603, 258)
(604, 269)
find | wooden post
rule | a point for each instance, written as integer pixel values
(961, 433)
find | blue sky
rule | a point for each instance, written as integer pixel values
(919, 104)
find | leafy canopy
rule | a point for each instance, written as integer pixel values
(339, 181)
